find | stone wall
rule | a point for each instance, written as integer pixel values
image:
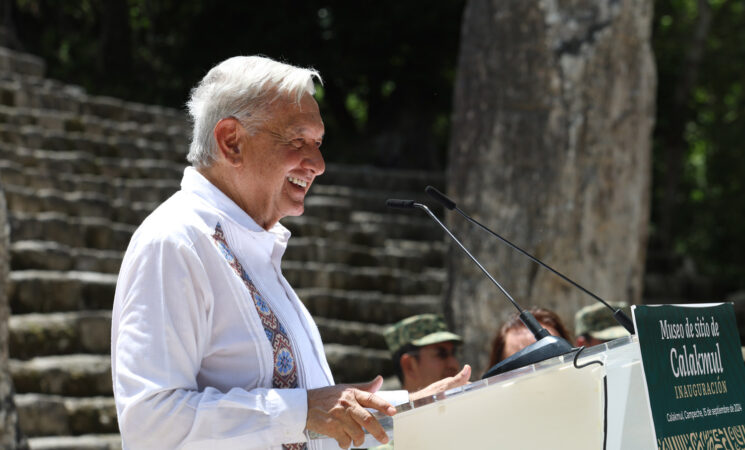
(11, 436)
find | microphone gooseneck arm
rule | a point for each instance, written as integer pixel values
(527, 318)
(618, 314)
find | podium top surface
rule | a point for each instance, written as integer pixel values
(598, 352)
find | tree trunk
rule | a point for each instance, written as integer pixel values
(551, 136)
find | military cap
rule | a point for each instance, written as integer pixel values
(598, 321)
(419, 330)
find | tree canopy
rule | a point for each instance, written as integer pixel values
(699, 190)
(389, 68)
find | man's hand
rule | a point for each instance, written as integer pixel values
(443, 385)
(339, 411)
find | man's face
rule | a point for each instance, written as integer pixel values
(282, 159)
(431, 363)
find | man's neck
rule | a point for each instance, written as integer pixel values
(216, 176)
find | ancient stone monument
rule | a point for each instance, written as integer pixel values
(551, 137)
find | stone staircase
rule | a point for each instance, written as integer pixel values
(80, 172)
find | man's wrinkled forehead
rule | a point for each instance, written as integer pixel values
(294, 117)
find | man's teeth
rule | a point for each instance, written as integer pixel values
(299, 182)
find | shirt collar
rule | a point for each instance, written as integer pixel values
(195, 183)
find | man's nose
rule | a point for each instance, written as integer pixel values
(313, 161)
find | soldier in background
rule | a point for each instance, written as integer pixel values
(423, 350)
(594, 324)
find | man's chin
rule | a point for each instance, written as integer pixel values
(296, 210)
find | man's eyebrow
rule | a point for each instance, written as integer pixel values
(302, 130)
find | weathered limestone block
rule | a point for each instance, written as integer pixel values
(10, 433)
(551, 136)
(21, 63)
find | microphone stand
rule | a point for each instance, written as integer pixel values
(546, 346)
(618, 314)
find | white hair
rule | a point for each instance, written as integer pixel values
(241, 87)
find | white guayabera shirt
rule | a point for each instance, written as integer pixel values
(191, 363)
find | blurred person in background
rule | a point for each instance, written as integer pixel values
(513, 335)
(594, 324)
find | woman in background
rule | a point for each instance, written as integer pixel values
(513, 335)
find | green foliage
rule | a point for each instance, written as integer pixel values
(387, 65)
(707, 125)
(389, 68)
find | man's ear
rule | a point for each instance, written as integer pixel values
(408, 364)
(227, 134)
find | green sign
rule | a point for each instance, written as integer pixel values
(695, 375)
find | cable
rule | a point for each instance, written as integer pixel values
(605, 392)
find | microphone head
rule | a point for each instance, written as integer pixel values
(440, 197)
(401, 204)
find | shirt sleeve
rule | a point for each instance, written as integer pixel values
(161, 326)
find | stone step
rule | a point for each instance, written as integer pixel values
(93, 161)
(354, 364)
(84, 442)
(41, 291)
(318, 213)
(310, 274)
(76, 204)
(393, 254)
(39, 93)
(76, 375)
(21, 63)
(372, 229)
(347, 332)
(18, 140)
(381, 179)
(49, 255)
(177, 137)
(54, 415)
(90, 375)
(33, 335)
(78, 232)
(88, 220)
(373, 198)
(131, 190)
(341, 204)
(57, 291)
(33, 92)
(399, 226)
(337, 202)
(368, 306)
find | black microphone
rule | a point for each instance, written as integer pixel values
(546, 346)
(402, 204)
(618, 314)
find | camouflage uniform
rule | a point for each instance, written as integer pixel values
(597, 321)
(419, 330)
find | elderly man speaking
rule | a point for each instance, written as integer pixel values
(211, 347)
